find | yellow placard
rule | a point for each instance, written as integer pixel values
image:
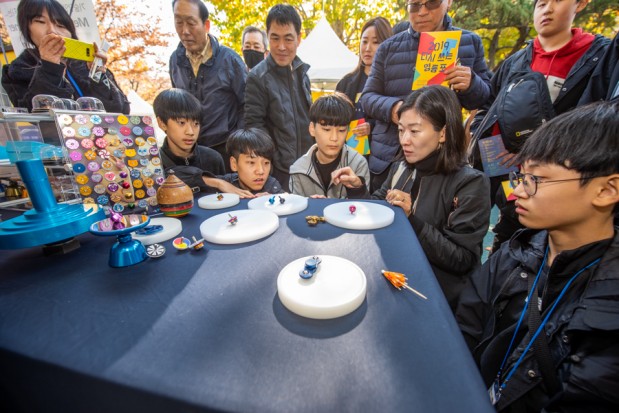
(437, 51)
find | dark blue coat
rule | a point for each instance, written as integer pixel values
(391, 80)
(219, 86)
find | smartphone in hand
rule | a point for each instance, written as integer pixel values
(79, 50)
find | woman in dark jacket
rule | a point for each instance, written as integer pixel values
(41, 69)
(442, 196)
(373, 33)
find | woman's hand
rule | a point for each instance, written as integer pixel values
(101, 55)
(362, 130)
(346, 176)
(401, 199)
(52, 48)
(458, 77)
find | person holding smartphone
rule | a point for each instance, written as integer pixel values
(41, 67)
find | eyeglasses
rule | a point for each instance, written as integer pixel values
(530, 182)
(416, 6)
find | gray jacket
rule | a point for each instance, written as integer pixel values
(304, 179)
(277, 100)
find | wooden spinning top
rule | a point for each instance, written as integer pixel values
(175, 198)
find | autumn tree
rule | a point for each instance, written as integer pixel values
(137, 43)
(504, 25)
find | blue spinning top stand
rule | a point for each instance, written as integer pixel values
(49, 222)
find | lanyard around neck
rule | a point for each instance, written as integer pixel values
(74, 83)
(543, 323)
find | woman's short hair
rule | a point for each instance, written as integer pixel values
(28, 10)
(177, 104)
(440, 106)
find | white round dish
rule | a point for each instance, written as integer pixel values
(367, 215)
(338, 288)
(211, 201)
(171, 228)
(251, 225)
(293, 204)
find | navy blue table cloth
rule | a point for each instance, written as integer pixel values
(206, 331)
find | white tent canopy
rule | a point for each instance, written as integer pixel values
(329, 58)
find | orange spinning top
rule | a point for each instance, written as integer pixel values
(399, 280)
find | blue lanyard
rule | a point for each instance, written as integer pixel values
(74, 83)
(543, 323)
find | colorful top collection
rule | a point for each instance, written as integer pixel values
(115, 159)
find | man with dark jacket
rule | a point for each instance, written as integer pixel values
(391, 79)
(278, 95)
(213, 73)
(564, 58)
(541, 316)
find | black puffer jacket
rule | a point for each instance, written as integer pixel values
(277, 100)
(391, 80)
(28, 76)
(450, 217)
(582, 332)
(219, 86)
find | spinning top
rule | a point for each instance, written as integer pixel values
(272, 200)
(155, 250)
(311, 266)
(233, 219)
(220, 197)
(175, 198)
(352, 209)
(312, 220)
(282, 200)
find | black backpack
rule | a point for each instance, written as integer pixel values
(524, 105)
(521, 106)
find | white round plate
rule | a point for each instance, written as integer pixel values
(367, 215)
(294, 203)
(211, 201)
(251, 226)
(171, 228)
(336, 289)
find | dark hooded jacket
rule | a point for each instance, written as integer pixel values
(582, 332)
(28, 76)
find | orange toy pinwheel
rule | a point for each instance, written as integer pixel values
(399, 280)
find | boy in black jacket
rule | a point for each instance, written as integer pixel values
(541, 316)
(251, 158)
(178, 113)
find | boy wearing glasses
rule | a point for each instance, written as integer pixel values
(541, 317)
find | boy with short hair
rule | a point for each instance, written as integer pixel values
(310, 175)
(560, 59)
(541, 316)
(251, 156)
(178, 114)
